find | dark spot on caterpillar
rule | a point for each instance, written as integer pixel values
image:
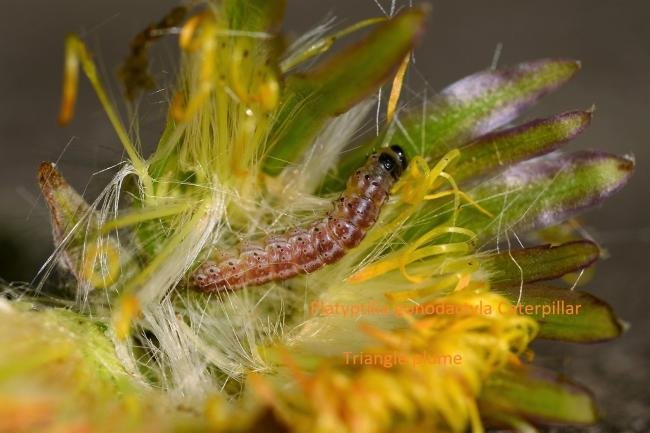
(284, 256)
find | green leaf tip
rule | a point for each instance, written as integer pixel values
(67, 207)
(567, 315)
(487, 100)
(504, 148)
(470, 108)
(545, 191)
(546, 262)
(336, 84)
(537, 395)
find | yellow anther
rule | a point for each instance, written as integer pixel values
(100, 266)
(186, 38)
(177, 106)
(206, 44)
(127, 311)
(396, 89)
(70, 79)
(269, 93)
(217, 413)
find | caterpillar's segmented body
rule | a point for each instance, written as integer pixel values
(306, 249)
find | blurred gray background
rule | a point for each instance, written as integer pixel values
(610, 37)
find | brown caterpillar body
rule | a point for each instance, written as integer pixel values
(306, 249)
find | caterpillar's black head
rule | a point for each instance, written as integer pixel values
(393, 160)
(401, 155)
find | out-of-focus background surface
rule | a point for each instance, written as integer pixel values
(610, 37)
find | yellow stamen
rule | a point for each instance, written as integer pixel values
(269, 93)
(101, 264)
(77, 54)
(411, 254)
(127, 311)
(186, 38)
(206, 44)
(396, 89)
(70, 83)
(414, 188)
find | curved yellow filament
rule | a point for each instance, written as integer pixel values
(186, 39)
(205, 44)
(416, 187)
(414, 252)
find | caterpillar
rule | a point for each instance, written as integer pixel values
(304, 250)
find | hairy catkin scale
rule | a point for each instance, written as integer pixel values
(306, 249)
